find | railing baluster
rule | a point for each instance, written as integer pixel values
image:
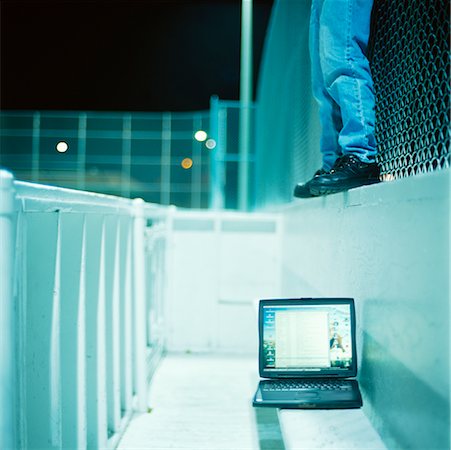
(96, 418)
(79, 281)
(116, 328)
(81, 348)
(72, 293)
(111, 323)
(126, 313)
(55, 345)
(41, 248)
(7, 319)
(140, 344)
(101, 347)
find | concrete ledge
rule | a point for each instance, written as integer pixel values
(388, 246)
(333, 429)
(420, 187)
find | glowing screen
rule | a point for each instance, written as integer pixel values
(307, 337)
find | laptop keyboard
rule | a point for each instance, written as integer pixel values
(291, 385)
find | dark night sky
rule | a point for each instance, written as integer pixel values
(123, 55)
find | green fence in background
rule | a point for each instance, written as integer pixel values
(154, 156)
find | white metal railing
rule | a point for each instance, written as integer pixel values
(78, 303)
(7, 411)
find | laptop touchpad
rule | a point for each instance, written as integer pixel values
(306, 395)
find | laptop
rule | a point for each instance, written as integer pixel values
(307, 354)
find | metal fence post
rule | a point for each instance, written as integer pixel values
(215, 201)
(245, 103)
(140, 303)
(7, 317)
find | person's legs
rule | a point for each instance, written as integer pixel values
(343, 39)
(329, 112)
(343, 86)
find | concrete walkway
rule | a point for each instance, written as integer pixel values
(203, 402)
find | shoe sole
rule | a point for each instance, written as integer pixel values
(304, 195)
(326, 190)
(302, 192)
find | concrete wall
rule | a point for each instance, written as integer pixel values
(388, 246)
(219, 264)
(287, 120)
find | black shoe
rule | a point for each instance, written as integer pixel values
(348, 172)
(302, 190)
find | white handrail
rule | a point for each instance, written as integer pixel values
(74, 324)
(35, 197)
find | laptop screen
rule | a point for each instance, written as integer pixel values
(307, 337)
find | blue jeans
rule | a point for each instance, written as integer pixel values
(341, 78)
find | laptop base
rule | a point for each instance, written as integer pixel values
(346, 396)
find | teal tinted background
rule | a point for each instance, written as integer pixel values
(409, 57)
(118, 153)
(388, 247)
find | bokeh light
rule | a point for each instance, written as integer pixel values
(187, 163)
(200, 136)
(62, 147)
(210, 144)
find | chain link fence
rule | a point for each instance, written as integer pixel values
(411, 67)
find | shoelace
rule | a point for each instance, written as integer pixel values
(342, 162)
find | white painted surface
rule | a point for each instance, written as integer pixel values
(386, 245)
(199, 402)
(203, 402)
(82, 346)
(344, 429)
(220, 262)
